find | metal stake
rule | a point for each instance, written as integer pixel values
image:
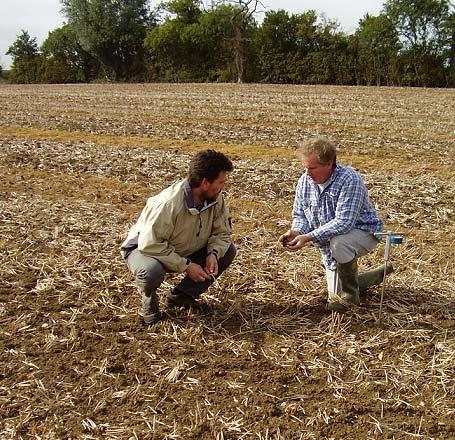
(391, 238)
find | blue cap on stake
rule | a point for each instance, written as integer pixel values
(394, 238)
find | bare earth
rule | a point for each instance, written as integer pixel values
(77, 163)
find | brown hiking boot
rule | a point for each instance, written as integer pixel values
(180, 299)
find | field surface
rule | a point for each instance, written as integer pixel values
(77, 163)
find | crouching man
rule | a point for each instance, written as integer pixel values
(186, 228)
(332, 210)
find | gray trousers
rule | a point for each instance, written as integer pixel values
(344, 248)
(149, 273)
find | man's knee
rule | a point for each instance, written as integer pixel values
(149, 276)
(228, 257)
(355, 243)
(149, 273)
(341, 249)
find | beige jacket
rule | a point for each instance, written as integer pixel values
(170, 228)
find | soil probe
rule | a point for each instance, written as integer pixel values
(390, 238)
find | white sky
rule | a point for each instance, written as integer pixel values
(39, 17)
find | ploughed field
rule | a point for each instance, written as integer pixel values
(77, 163)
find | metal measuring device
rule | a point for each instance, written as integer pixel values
(390, 239)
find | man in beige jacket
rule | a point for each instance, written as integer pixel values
(185, 228)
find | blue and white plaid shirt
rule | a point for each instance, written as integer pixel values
(342, 205)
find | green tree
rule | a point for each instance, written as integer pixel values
(424, 28)
(64, 59)
(192, 44)
(323, 52)
(378, 46)
(26, 66)
(112, 32)
(217, 29)
(240, 39)
(451, 52)
(177, 48)
(301, 68)
(276, 43)
(185, 11)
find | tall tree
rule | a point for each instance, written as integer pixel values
(26, 66)
(322, 52)
(111, 31)
(423, 26)
(64, 59)
(243, 27)
(378, 46)
(301, 65)
(217, 28)
(276, 43)
(192, 44)
(177, 48)
(185, 11)
(451, 54)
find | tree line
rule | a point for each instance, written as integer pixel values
(410, 43)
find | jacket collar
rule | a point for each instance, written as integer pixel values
(190, 201)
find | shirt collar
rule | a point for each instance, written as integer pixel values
(327, 183)
(336, 170)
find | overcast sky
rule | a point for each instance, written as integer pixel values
(38, 17)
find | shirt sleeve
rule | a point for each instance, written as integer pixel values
(351, 199)
(220, 237)
(299, 220)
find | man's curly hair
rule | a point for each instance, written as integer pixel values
(207, 164)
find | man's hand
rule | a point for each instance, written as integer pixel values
(211, 265)
(288, 236)
(298, 242)
(196, 273)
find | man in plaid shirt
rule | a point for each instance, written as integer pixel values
(332, 210)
